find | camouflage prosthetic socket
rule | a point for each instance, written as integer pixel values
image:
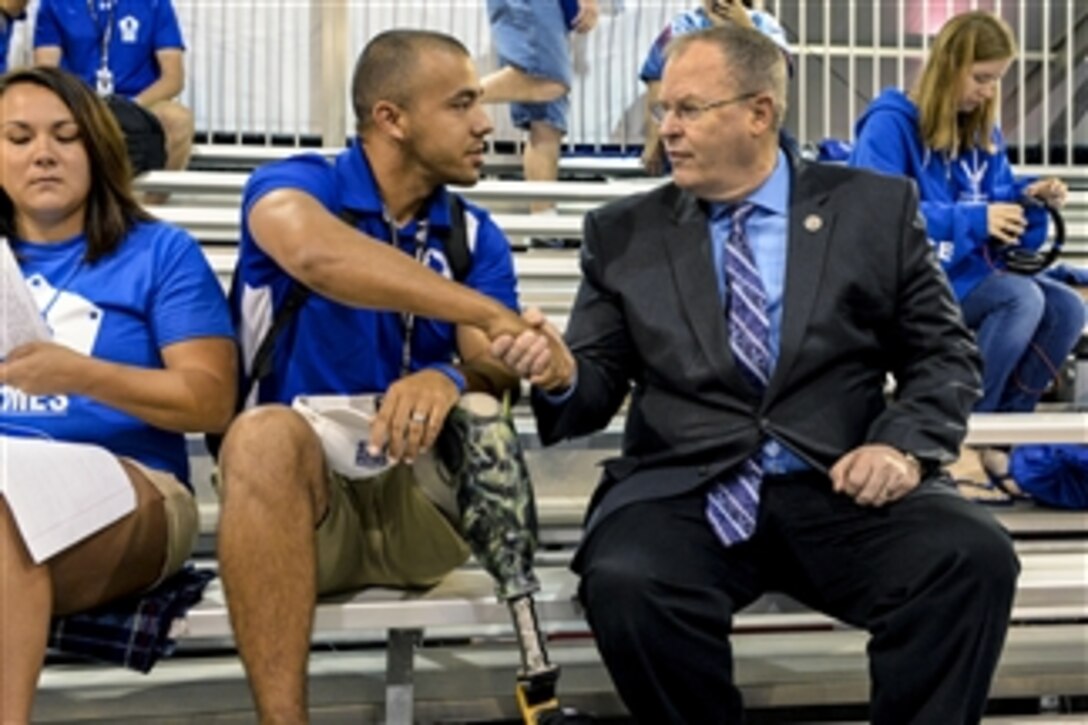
(480, 450)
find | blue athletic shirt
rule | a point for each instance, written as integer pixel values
(155, 290)
(139, 29)
(7, 27)
(333, 348)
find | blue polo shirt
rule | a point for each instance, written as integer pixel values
(137, 30)
(329, 347)
(7, 27)
(154, 291)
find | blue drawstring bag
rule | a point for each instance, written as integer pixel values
(1053, 475)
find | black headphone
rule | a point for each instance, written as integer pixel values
(1021, 260)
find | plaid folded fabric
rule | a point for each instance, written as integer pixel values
(133, 632)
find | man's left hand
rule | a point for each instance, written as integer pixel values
(412, 414)
(875, 474)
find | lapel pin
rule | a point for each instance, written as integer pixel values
(813, 223)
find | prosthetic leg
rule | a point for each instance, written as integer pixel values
(480, 449)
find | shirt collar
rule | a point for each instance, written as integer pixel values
(359, 191)
(773, 195)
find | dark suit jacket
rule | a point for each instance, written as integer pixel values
(864, 296)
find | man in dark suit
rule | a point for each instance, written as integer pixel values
(752, 310)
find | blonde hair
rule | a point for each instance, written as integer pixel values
(966, 39)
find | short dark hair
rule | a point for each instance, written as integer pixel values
(388, 66)
(112, 209)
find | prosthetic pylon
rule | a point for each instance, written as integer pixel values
(498, 520)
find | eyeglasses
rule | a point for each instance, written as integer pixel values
(690, 111)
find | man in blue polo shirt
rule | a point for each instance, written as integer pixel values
(10, 11)
(364, 234)
(129, 48)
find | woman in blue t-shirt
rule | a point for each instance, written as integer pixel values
(139, 352)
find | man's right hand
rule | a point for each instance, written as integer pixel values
(539, 354)
(1005, 222)
(503, 323)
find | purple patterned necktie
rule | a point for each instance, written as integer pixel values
(733, 502)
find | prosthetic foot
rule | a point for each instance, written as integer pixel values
(480, 449)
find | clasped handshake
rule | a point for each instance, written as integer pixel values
(535, 350)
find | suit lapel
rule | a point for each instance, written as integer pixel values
(692, 263)
(810, 225)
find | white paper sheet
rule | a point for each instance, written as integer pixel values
(61, 493)
(20, 320)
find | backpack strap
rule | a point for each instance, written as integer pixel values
(456, 242)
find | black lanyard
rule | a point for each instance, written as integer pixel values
(407, 319)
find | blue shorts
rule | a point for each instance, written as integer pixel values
(531, 35)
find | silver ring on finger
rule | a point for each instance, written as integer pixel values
(418, 417)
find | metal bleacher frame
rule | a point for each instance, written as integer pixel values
(411, 656)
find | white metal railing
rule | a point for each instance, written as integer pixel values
(278, 70)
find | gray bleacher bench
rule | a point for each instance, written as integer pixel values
(1052, 591)
(230, 184)
(222, 224)
(210, 213)
(229, 156)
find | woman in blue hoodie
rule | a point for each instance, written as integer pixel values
(944, 136)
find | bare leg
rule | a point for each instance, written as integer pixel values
(121, 559)
(513, 84)
(273, 492)
(541, 157)
(177, 125)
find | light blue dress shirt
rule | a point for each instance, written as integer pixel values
(768, 234)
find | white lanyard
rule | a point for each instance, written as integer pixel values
(104, 77)
(57, 291)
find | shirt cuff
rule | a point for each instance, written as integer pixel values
(562, 396)
(453, 374)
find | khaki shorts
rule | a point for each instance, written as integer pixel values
(182, 520)
(384, 531)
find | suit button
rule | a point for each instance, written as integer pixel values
(703, 470)
(764, 423)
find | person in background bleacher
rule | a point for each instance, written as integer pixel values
(142, 351)
(944, 136)
(711, 13)
(531, 38)
(365, 235)
(749, 313)
(132, 49)
(10, 11)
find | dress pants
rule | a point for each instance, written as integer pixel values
(931, 577)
